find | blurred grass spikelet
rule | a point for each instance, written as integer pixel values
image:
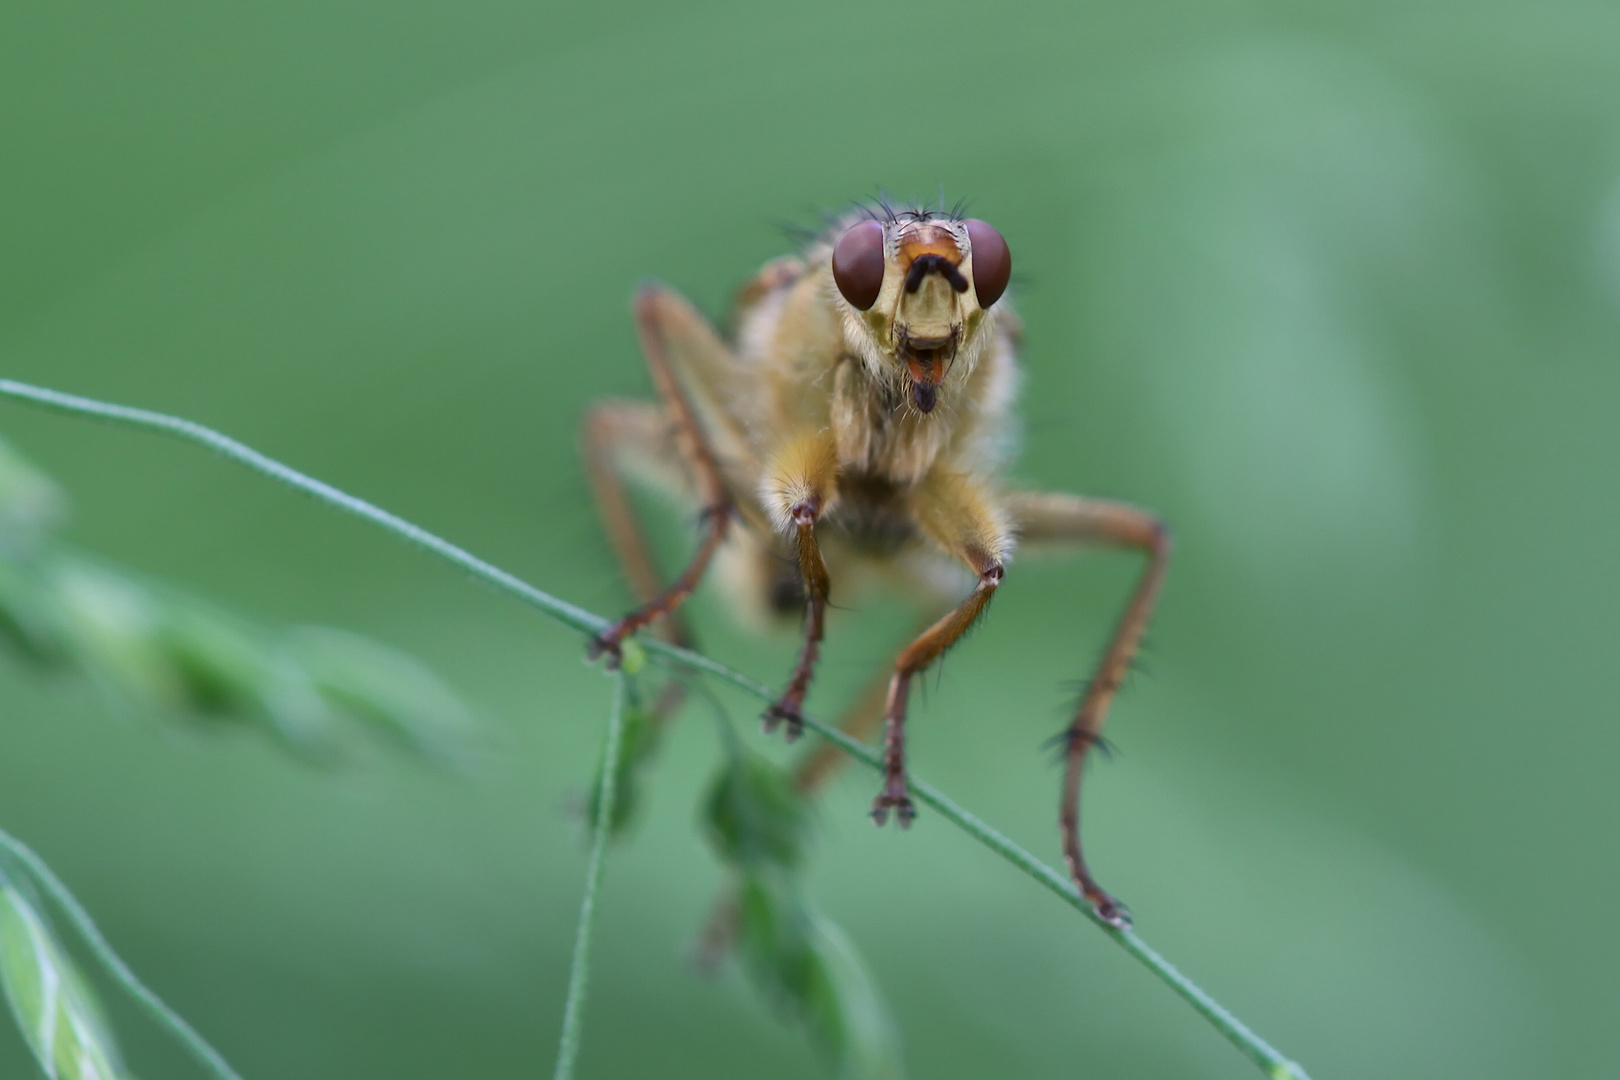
(638, 746)
(804, 966)
(55, 1008)
(755, 817)
(811, 973)
(315, 691)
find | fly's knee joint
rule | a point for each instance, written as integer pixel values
(1161, 539)
(805, 512)
(991, 575)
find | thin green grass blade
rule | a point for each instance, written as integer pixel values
(1270, 1060)
(601, 830)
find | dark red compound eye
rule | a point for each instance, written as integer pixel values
(992, 262)
(858, 264)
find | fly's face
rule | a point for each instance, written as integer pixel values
(918, 288)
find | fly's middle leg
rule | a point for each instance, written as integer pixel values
(960, 515)
(801, 486)
(813, 572)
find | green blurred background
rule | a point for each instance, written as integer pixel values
(1335, 286)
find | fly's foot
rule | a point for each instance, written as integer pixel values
(607, 644)
(894, 797)
(785, 711)
(1108, 909)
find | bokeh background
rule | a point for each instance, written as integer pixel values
(1335, 286)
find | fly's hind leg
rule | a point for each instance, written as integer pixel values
(1068, 520)
(677, 344)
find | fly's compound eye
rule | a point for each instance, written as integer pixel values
(858, 264)
(992, 262)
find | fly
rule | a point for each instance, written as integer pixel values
(851, 428)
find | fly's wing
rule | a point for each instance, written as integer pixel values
(774, 278)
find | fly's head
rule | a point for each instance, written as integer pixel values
(918, 288)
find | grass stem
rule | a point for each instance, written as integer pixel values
(1262, 1053)
(579, 970)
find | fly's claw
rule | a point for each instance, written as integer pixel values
(784, 712)
(1109, 910)
(894, 797)
(608, 643)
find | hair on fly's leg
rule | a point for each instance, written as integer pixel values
(1059, 745)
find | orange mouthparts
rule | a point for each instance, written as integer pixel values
(926, 372)
(924, 367)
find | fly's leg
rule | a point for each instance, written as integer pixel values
(788, 708)
(958, 514)
(1070, 520)
(634, 437)
(666, 328)
(803, 476)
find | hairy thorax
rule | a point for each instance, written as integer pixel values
(817, 372)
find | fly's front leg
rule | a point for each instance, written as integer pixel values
(1071, 520)
(799, 487)
(959, 514)
(668, 328)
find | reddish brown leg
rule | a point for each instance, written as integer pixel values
(700, 459)
(628, 435)
(928, 647)
(813, 572)
(1069, 519)
(635, 435)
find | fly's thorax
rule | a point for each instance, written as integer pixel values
(878, 430)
